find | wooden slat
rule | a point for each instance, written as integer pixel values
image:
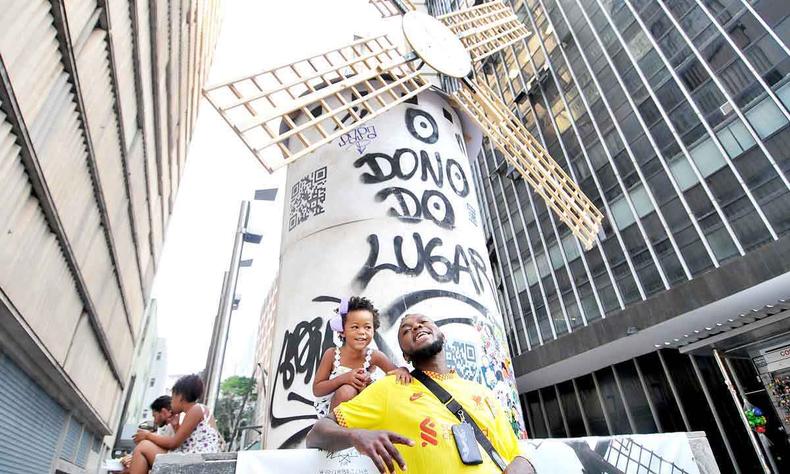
(486, 28)
(531, 160)
(328, 95)
(387, 8)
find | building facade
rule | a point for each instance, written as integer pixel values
(157, 378)
(674, 118)
(147, 381)
(97, 105)
(263, 359)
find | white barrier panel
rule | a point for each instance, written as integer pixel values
(666, 453)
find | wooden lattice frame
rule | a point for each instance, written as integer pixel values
(531, 160)
(338, 88)
(486, 28)
(387, 9)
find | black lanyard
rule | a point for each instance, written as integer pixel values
(462, 415)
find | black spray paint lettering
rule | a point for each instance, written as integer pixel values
(422, 125)
(301, 352)
(433, 206)
(440, 268)
(405, 162)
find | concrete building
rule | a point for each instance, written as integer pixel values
(147, 381)
(263, 359)
(157, 377)
(674, 118)
(97, 105)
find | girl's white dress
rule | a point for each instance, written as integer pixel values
(322, 403)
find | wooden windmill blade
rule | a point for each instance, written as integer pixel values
(388, 8)
(486, 28)
(531, 160)
(315, 100)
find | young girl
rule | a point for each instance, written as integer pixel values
(346, 370)
(197, 433)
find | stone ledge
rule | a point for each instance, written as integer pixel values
(215, 463)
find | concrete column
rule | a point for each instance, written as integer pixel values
(387, 211)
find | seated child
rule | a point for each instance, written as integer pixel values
(346, 370)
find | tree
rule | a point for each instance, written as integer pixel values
(236, 404)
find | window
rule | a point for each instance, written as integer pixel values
(637, 401)
(693, 74)
(621, 214)
(683, 118)
(151, 382)
(553, 414)
(518, 276)
(641, 201)
(660, 393)
(708, 97)
(684, 175)
(159, 355)
(669, 95)
(694, 22)
(766, 117)
(707, 157)
(570, 247)
(571, 408)
(591, 406)
(735, 138)
(612, 401)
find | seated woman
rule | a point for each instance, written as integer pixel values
(197, 433)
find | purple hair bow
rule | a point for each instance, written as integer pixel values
(336, 323)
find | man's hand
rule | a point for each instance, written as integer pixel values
(380, 447)
(520, 465)
(141, 436)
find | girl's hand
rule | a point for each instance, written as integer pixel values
(360, 379)
(402, 375)
(356, 378)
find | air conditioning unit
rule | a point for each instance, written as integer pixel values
(531, 83)
(726, 108)
(543, 73)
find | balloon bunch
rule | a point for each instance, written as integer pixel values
(756, 419)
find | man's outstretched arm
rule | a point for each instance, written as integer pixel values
(379, 446)
(328, 435)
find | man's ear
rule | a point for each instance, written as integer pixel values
(405, 357)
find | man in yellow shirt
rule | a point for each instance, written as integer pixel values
(387, 413)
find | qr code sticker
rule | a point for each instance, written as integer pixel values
(462, 357)
(308, 197)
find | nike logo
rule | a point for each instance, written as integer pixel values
(415, 396)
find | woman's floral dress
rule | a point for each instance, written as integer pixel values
(204, 439)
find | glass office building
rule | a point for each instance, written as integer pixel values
(674, 118)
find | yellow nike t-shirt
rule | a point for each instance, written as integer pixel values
(414, 412)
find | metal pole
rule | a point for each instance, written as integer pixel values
(236, 422)
(739, 407)
(227, 307)
(212, 347)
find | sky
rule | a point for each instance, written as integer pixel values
(220, 173)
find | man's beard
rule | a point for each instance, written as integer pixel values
(428, 352)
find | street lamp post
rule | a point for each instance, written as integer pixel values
(228, 299)
(222, 323)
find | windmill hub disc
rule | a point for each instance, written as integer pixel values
(436, 44)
